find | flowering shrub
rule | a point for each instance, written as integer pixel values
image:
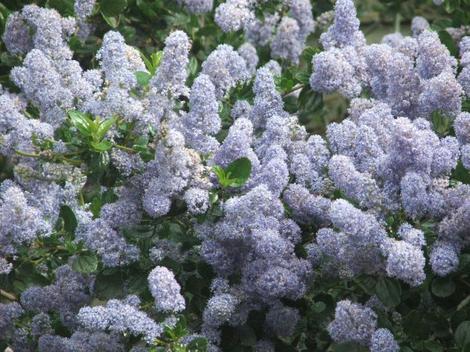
(233, 176)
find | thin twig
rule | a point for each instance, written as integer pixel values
(8, 295)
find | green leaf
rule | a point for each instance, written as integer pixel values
(432, 346)
(460, 173)
(442, 287)
(349, 347)
(81, 121)
(220, 173)
(113, 8)
(143, 78)
(447, 40)
(70, 221)
(198, 344)
(156, 58)
(303, 77)
(318, 307)
(193, 65)
(113, 22)
(64, 7)
(388, 291)
(247, 336)
(104, 127)
(238, 172)
(102, 146)
(462, 334)
(85, 263)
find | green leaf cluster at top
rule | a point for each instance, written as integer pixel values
(151, 64)
(234, 175)
(92, 131)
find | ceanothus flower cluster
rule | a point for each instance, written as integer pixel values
(286, 35)
(312, 207)
(415, 76)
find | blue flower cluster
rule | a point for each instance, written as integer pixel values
(312, 207)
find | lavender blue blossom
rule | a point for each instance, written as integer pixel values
(465, 156)
(261, 32)
(83, 8)
(39, 28)
(17, 37)
(419, 25)
(274, 174)
(285, 44)
(233, 14)
(197, 6)
(301, 11)
(125, 162)
(383, 341)
(21, 222)
(433, 56)
(441, 93)
(219, 309)
(414, 195)
(237, 144)
(464, 80)
(345, 28)
(445, 157)
(80, 342)
(101, 238)
(41, 325)
(121, 317)
(412, 235)
(39, 80)
(462, 127)
(174, 169)
(202, 121)
(268, 102)
(332, 72)
(5, 267)
(393, 39)
(9, 312)
(403, 86)
(306, 207)
(356, 185)
(197, 200)
(226, 68)
(165, 290)
(282, 320)
(241, 108)
(248, 52)
(119, 61)
(172, 73)
(405, 262)
(353, 323)
(444, 258)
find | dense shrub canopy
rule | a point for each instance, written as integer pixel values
(234, 175)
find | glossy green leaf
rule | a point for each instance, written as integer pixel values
(442, 287)
(388, 291)
(238, 172)
(462, 334)
(143, 78)
(104, 127)
(81, 121)
(85, 263)
(113, 8)
(102, 146)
